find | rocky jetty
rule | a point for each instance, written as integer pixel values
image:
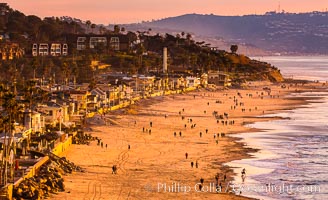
(49, 179)
(82, 138)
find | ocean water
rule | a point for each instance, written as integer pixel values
(298, 67)
(292, 162)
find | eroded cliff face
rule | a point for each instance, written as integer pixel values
(275, 76)
(242, 68)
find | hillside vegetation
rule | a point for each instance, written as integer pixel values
(144, 56)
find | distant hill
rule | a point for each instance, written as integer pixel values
(286, 33)
(144, 55)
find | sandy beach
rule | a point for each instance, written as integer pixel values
(155, 166)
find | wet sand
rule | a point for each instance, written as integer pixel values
(158, 159)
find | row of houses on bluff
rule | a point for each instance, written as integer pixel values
(67, 45)
(83, 42)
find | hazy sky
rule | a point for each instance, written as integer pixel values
(126, 11)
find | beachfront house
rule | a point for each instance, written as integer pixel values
(54, 112)
(34, 120)
(79, 98)
(204, 79)
(192, 81)
(219, 79)
(146, 84)
(101, 96)
(129, 83)
(175, 81)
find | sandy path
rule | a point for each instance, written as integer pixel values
(158, 159)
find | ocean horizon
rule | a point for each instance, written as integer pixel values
(313, 68)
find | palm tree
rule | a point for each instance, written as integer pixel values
(29, 92)
(88, 23)
(188, 37)
(93, 26)
(10, 113)
(234, 48)
(66, 72)
(116, 29)
(102, 29)
(35, 64)
(74, 72)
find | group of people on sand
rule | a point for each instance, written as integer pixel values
(224, 121)
(99, 142)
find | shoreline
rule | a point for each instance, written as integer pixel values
(229, 148)
(255, 138)
(257, 155)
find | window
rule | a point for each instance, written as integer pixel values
(43, 49)
(65, 49)
(97, 41)
(35, 49)
(81, 43)
(55, 49)
(115, 43)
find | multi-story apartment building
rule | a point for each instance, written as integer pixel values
(110, 42)
(53, 49)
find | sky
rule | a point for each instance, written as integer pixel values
(132, 11)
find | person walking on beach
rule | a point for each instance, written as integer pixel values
(180, 133)
(200, 134)
(217, 178)
(129, 147)
(201, 180)
(106, 146)
(114, 169)
(224, 177)
(192, 164)
(186, 155)
(196, 164)
(243, 174)
(175, 134)
(151, 124)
